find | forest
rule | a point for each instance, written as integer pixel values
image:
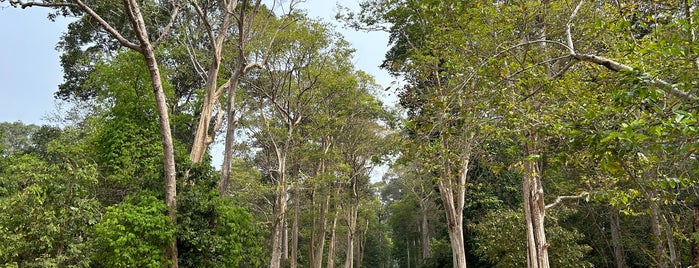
(552, 133)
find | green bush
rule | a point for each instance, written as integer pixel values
(134, 233)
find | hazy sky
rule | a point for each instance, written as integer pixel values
(30, 71)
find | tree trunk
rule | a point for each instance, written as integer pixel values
(285, 242)
(148, 53)
(674, 260)
(230, 138)
(424, 231)
(452, 194)
(332, 242)
(619, 260)
(279, 219)
(534, 209)
(320, 244)
(202, 137)
(352, 214)
(695, 228)
(295, 227)
(660, 253)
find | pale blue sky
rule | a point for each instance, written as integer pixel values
(30, 70)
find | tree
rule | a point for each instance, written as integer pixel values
(145, 47)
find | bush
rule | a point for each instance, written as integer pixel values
(134, 233)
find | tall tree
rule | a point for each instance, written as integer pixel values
(143, 45)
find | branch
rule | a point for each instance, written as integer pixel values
(79, 4)
(220, 89)
(617, 66)
(560, 199)
(24, 5)
(166, 31)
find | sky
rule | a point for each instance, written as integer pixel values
(30, 69)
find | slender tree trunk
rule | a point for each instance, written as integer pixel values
(295, 227)
(407, 250)
(148, 53)
(285, 242)
(534, 209)
(320, 244)
(424, 231)
(230, 137)
(674, 260)
(660, 253)
(332, 242)
(279, 217)
(452, 193)
(352, 214)
(614, 226)
(695, 228)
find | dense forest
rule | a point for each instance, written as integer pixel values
(527, 134)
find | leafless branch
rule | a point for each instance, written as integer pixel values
(166, 31)
(79, 4)
(560, 199)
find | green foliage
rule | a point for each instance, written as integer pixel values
(500, 239)
(134, 233)
(48, 207)
(214, 232)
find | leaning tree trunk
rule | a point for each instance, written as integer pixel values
(534, 209)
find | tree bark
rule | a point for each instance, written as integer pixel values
(279, 216)
(695, 228)
(452, 193)
(147, 50)
(332, 242)
(203, 137)
(534, 208)
(615, 228)
(424, 231)
(295, 227)
(656, 231)
(230, 138)
(241, 67)
(352, 214)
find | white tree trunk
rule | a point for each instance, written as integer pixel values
(452, 193)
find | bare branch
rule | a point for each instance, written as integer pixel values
(24, 5)
(220, 89)
(202, 16)
(166, 31)
(569, 36)
(79, 4)
(560, 199)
